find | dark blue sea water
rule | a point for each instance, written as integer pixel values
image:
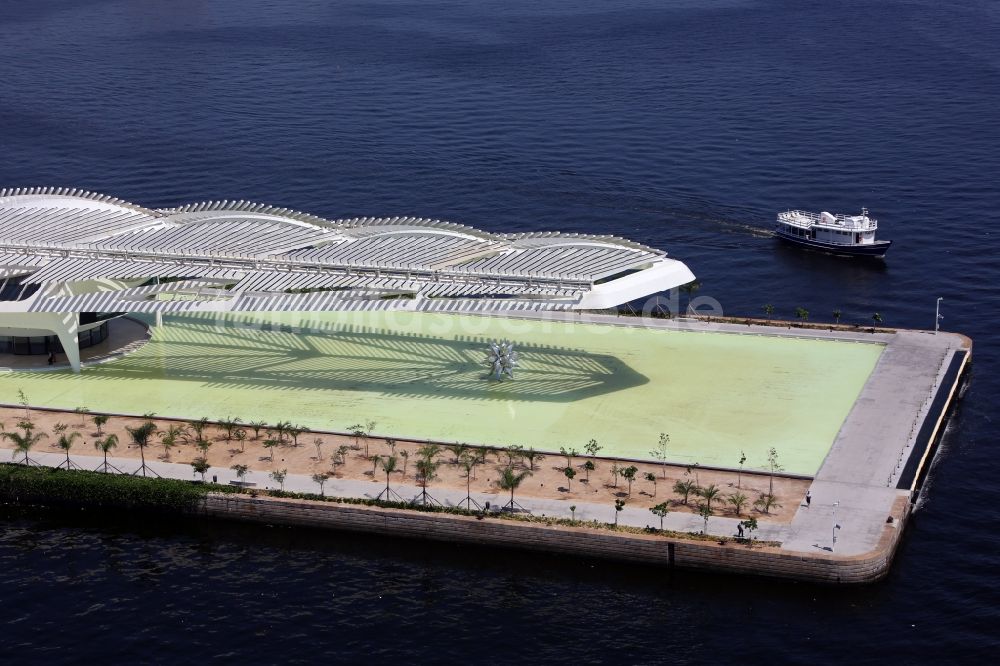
(683, 124)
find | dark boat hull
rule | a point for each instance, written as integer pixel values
(876, 249)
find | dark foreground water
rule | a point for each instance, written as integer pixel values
(682, 124)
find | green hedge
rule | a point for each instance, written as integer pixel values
(55, 487)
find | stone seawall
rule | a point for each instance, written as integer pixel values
(731, 557)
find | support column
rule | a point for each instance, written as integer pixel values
(66, 329)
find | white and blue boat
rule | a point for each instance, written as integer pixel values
(850, 235)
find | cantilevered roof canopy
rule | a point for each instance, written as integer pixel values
(90, 252)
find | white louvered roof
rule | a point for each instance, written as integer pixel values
(53, 236)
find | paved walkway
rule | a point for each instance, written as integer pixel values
(682, 522)
(125, 335)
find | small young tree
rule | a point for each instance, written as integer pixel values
(615, 471)
(100, 420)
(339, 456)
(750, 524)
(358, 432)
(629, 474)
(405, 455)
(320, 480)
(661, 511)
(426, 472)
(649, 476)
(685, 487)
(774, 466)
(375, 459)
(201, 466)
(82, 411)
(391, 443)
(660, 452)
(570, 454)
(738, 501)
(105, 445)
(279, 476)
(22, 399)
(572, 512)
(705, 512)
(876, 320)
(569, 472)
(836, 316)
(739, 474)
(318, 443)
(710, 493)
(589, 466)
(241, 436)
(802, 314)
(241, 472)
(468, 463)
(592, 448)
(768, 311)
(619, 505)
(270, 443)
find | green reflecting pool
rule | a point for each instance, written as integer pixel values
(421, 375)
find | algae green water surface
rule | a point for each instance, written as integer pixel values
(422, 376)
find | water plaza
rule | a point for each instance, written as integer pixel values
(266, 314)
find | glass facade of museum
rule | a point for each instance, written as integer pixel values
(43, 344)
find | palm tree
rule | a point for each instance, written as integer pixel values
(374, 460)
(802, 314)
(426, 472)
(229, 424)
(318, 443)
(533, 456)
(105, 445)
(65, 442)
(257, 426)
(140, 437)
(510, 480)
(876, 319)
(198, 427)
(405, 455)
(170, 438)
(23, 443)
(652, 477)
(389, 466)
(705, 512)
(99, 421)
(836, 316)
(769, 310)
(201, 466)
(320, 479)
(294, 431)
(468, 463)
(738, 501)
(685, 487)
(391, 443)
(457, 450)
(766, 502)
(82, 411)
(710, 494)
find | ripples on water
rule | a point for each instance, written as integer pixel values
(684, 125)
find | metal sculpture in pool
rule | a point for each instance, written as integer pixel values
(501, 360)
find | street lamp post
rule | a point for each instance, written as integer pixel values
(833, 545)
(937, 314)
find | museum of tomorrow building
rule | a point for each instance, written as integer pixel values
(71, 259)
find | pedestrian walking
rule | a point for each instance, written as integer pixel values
(739, 530)
(809, 498)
